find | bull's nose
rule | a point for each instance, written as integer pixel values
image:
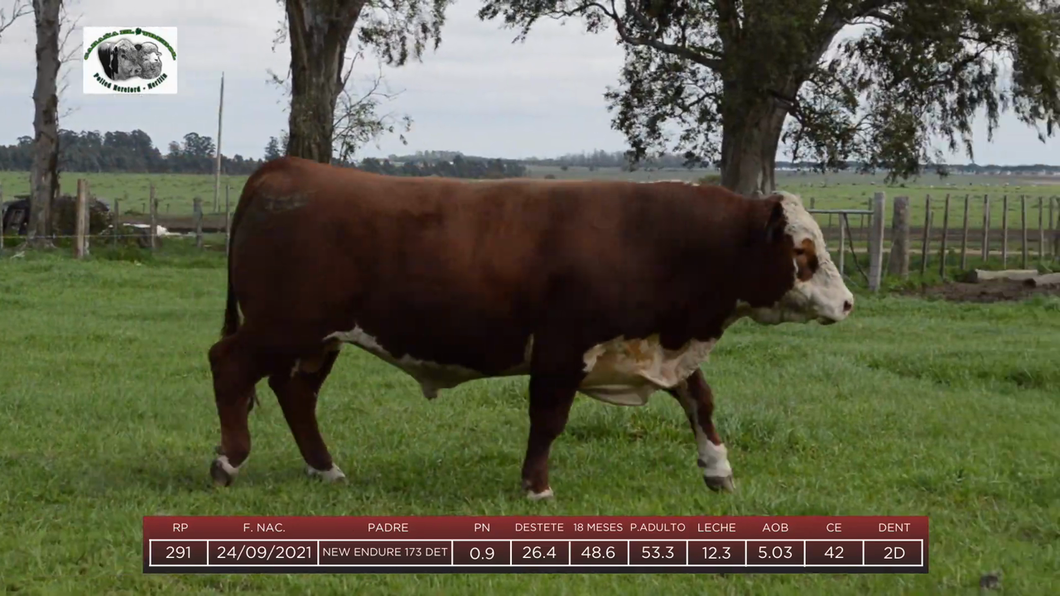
(848, 305)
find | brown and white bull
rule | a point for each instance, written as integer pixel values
(612, 289)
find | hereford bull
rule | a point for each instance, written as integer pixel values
(612, 289)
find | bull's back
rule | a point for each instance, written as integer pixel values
(431, 228)
(446, 266)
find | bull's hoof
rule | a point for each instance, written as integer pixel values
(541, 496)
(220, 476)
(329, 476)
(723, 484)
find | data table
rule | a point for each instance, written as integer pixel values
(803, 544)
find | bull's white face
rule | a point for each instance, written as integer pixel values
(818, 293)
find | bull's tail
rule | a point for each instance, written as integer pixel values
(231, 323)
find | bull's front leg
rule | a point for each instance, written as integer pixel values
(697, 400)
(551, 397)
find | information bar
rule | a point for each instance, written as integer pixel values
(753, 544)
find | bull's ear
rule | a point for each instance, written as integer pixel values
(774, 231)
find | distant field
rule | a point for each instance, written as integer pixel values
(107, 415)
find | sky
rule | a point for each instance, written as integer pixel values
(479, 93)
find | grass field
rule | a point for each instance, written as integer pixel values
(911, 407)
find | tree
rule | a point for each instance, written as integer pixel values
(319, 32)
(874, 81)
(272, 149)
(44, 174)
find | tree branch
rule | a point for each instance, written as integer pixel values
(674, 50)
(20, 8)
(880, 15)
(67, 54)
(702, 56)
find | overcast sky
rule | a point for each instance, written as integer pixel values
(478, 94)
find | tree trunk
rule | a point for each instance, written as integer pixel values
(44, 175)
(750, 138)
(319, 32)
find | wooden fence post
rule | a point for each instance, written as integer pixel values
(197, 211)
(868, 206)
(842, 242)
(945, 233)
(898, 262)
(1041, 230)
(1023, 228)
(1055, 226)
(153, 231)
(986, 227)
(876, 241)
(80, 219)
(1004, 232)
(964, 236)
(927, 236)
(1053, 250)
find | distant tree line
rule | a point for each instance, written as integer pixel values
(457, 167)
(617, 159)
(131, 152)
(450, 164)
(135, 152)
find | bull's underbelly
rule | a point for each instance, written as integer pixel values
(620, 372)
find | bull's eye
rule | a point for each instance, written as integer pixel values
(800, 251)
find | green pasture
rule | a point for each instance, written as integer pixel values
(910, 407)
(176, 192)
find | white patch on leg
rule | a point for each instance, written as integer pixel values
(327, 475)
(716, 457)
(713, 459)
(228, 467)
(545, 494)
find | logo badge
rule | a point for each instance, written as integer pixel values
(130, 61)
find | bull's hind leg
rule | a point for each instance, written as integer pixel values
(296, 389)
(235, 372)
(697, 400)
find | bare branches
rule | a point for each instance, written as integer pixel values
(68, 53)
(19, 8)
(356, 118)
(357, 121)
